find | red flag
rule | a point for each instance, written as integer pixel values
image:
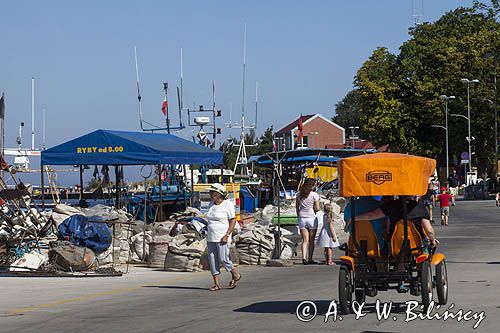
(275, 146)
(4, 166)
(301, 133)
(164, 106)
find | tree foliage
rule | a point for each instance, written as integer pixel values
(347, 110)
(396, 96)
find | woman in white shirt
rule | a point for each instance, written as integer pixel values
(221, 222)
(307, 205)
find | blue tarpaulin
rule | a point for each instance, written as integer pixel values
(104, 147)
(79, 231)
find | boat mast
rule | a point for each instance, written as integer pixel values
(43, 128)
(154, 127)
(182, 91)
(241, 159)
(32, 113)
(256, 100)
(138, 88)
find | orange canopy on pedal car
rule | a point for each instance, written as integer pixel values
(385, 174)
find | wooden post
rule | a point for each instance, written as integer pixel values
(117, 186)
(160, 183)
(81, 182)
(192, 184)
(42, 185)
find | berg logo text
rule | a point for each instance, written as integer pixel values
(378, 177)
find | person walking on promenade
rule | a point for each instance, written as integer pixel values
(429, 199)
(221, 222)
(307, 205)
(444, 203)
(453, 184)
(497, 195)
(435, 190)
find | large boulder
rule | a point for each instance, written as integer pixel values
(70, 257)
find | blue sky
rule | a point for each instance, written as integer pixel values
(304, 55)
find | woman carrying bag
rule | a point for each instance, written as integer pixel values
(221, 222)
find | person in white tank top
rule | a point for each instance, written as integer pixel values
(307, 205)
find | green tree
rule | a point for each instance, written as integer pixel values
(399, 94)
(347, 111)
(265, 142)
(381, 111)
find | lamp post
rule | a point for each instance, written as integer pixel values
(353, 134)
(494, 56)
(496, 118)
(496, 136)
(469, 138)
(446, 133)
(313, 134)
(445, 99)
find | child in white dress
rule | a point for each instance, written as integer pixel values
(328, 238)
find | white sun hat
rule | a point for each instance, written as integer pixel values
(219, 188)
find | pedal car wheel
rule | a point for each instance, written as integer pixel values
(345, 290)
(442, 283)
(426, 281)
(360, 295)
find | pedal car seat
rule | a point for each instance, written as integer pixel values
(413, 236)
(365, 234)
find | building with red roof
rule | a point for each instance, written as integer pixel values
(317, 132)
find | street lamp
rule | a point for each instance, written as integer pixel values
(313, 134)
(353, 134)
(462, 116)
(445, 99)
(468, 82)
(496, 135)
(494, 56)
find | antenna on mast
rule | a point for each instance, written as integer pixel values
(241, 159)
(43, 128)
(181, 95)
(205, 121)
(244, 67)
(139, 99)
(256, 101)
(417, 7)
(138, 87)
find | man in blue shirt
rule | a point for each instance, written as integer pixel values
(380, 225)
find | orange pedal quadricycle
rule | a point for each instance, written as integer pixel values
(410, 260)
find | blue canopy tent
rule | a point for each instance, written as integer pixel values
(105, 147)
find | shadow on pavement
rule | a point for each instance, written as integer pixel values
(473, 262)
(321, 305)
(176, 287)
(282, 307)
